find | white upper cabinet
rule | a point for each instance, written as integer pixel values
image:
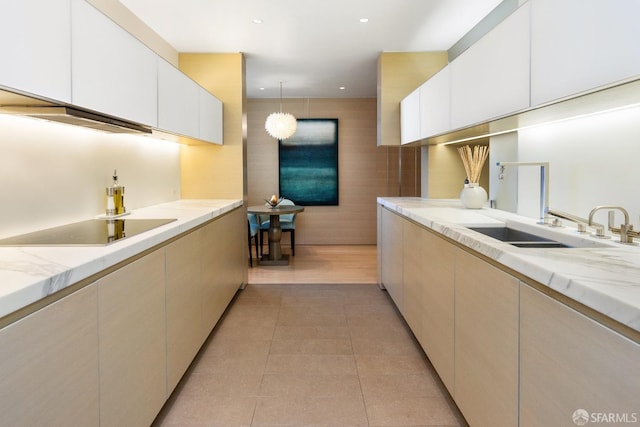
(579, 45)
(185, 108)
(410, 117)
(491, 78)
(211, 118)
(35, 42)
(435, 104)
(178, 101)
(113, 72)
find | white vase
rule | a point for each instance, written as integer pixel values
(473, 196)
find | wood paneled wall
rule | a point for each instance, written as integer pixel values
(361, 168)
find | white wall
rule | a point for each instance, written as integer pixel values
(54, 174)
(593, 161)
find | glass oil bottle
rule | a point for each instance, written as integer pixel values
(115, 197)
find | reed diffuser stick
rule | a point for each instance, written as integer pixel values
(473, 160)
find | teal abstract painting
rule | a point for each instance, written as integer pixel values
(309, 163)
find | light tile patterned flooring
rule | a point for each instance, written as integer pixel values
(310, 355)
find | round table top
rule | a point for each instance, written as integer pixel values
(278, 210)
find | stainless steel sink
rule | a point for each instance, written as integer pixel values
(518, 238)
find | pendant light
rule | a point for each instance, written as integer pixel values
(281, 125)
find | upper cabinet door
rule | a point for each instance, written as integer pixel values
(113, 73)
(211, 118)
(580, 45)
(435, 104)
(491, 78)
(35, 42)
(410, 117)
(178, 101)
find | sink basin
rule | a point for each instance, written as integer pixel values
(518, 238)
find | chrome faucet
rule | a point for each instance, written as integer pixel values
(625, 230)
(544, 185)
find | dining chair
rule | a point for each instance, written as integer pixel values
(252, 232)
(287, 224)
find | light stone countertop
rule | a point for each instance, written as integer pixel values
(30, 273)
(601, 274)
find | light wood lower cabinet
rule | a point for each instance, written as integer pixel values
(508, 354)
(392, 255)
(486, 342)
(132, 342)
(204, 271)
(184, 313)
(111, 353)
(223, 265)
(49, 368)
(429, 296)
(569, 362)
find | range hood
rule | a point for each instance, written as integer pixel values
(78, 117)
(17, 104)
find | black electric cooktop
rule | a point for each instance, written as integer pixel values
(93, 232)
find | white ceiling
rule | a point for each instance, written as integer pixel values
(312, 46)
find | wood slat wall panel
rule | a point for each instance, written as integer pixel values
(361, 179)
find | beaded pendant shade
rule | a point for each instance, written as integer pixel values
(281, 125)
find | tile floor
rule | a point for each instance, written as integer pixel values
(310, 355)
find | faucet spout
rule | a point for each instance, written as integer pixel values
(625, 230)
(544, 185)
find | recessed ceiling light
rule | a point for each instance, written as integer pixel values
(364, 20)
(342, 88)
(261, 88)
(257, 21)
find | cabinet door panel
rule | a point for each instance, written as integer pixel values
(132, 342)
(224, 265)
(579, 45)
(49, 370)
(113, 73)
(35, 41)
(410, 117)
(437, 338)
(486, 342)
(435, 104)
(412, 273)
(178, 101)
(392, 256)
(184, 299)
(569, 362)
(211, 118)
(491, 78)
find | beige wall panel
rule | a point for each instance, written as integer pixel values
(354, 220)
(446, 172)
(399, 73)
(207, 170)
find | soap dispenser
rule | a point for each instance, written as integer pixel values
(115, 197)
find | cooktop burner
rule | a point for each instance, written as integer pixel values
(93, 232)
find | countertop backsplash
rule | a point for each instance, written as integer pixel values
(592, 160)
(56, 174)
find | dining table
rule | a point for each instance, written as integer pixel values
(275, 255)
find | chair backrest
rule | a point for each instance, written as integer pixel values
(254, 226)
(288, 217)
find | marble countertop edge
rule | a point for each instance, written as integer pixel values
(30, 273)
(606, 279)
